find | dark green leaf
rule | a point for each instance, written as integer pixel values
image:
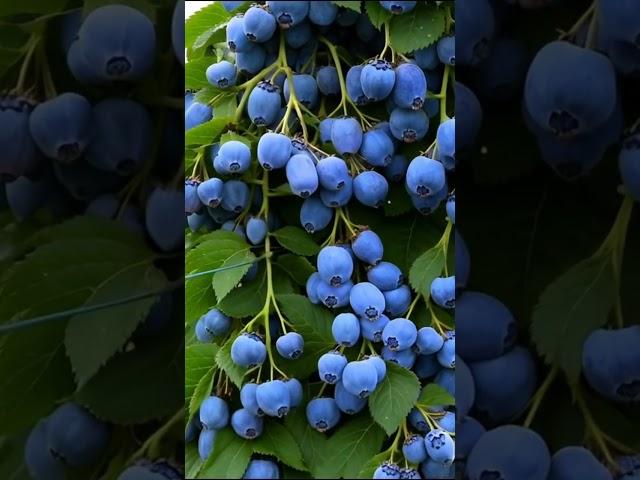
(246, 300)
(225, 281)
(207, 133)
(398, 202)
(277, 441)
(313, 444)
(425, 269)
(351, 5)
(199, 360)
(296, 240)
(377, 14)
(419, 29)
(192, 460)
(31, 6)
(434, 395)
(299, 268)
(143, 6)
(229, 458)
(203, 390)
(370, 467)
(204, 20)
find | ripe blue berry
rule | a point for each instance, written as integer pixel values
(410, 89)
(385, 276)
(274, 150)
(440, 446)
(377, 79)
(234, 157)
(258, 25)
(447, 354)
(335, 265)
(426, 366)
(248, 350)
(334, 297)
(405, 358)
(273, 398)
(248, 399)
(327, 79)
(347, 402)
(325, 130)
(206, 442)
(466, 388)
(61, 127)
(263, 107)
(237, 41)
(447, 422)
(443, 291)
(397, 301)
(429, 204)
(246, 425)
(425, 176)
(39, 460)
(399, 334)
(235, 196)
(322, 13)
(265, 469)
(295, 391)
(372, 330)
(256, 230)
(298, 36)
(333, 173)
(417, 421)
(346, 135)
(214, 413)
(433, 469)
(446, 143)
(368, 247)
(202, 334)
(387, 470)
(290, 345)
(323, 414)
(338, 198)
(629, 164)
(367, 301)
(468, 432)
(216, 323)
(251, 61)
(315, 215)
(331, 366)
(451, 207)
(305, 88)
(346, 329)
(446, 48)
(398, 7)
(191, 200)
(312, 287)
(210, 192)
(288, 13)
(413, 449)
(354, 87)
(222, 74)
(197, 114)
(360, 378)
(163, 204)
(379, 365)
(302, 175)
(20, 153)
(427, 58)
(428, 341)
(377, 148)
(407, 125)
(576, 463)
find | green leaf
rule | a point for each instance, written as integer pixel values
(297, 241)
(192, 460)
(152, 377)
(31, 6)
(225, 281)
(433, 395)
(569, 309)
(351, 447)
(143, 6)
(246, 300)
(229, 136)
(377, 14)
(224, 361)
(207, 133)
(198, 361)
(277, 441)
(210, 35)
(202, 390)
(313, 444)
(229, 458)
(425, 269)
(297, 267)
(398, 202)
(204, 20)
(396, 395)
(195, 73)
(93, 338)
(371, 466)
(419, 29)
(351, 5)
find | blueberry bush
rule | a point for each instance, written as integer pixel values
(91, 236)
(549, 369)
(320, 204)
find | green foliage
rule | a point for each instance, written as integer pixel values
(424, 26)
(296, 240)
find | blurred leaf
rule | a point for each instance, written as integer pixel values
(419, 29)
(31, 6)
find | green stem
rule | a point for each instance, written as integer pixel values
(178, 417)
(593, 430)
(443, 94)
(536, 400)
(30, 50)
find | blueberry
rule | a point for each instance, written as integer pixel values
(333, 173)
(163, 209)
(76, 437)
(377, 79)
(201, 332)
(469, 112)
(41, 463)
(295, 391)
(417, 421)
(485, 324)
(347, 402)
(574, 463)
(446, 48)
(447, 354)
(273, 398)
(504, 385)
(334, 297)
(346, 329)
(322, 13)
(610, 363)
(177, 31)
(370, 188)
(210, 192)
(335, 265)
(197, 114)
(315, 215)
(323, 414)
(360, 378)
(397, 301)
(426, 366)
(440, 446)
(477, 27)
(377, 148)
(251, 61)
(405, 358)
(463, 263)
(367, 301)
(509, 451)
(410, 89)
(387, 470)
(347, 17)
(216, 323)
(61, 127)
(372, 330)
(230, 5)
(290, 345)
(338, 198)
(443, 291)
(427, 58)
(325, 130)
(206, 442)
(20, 154)
(256, 230)
(413, 449)
(385, 276)
(346, 135)
(298, 36)
(379, 365)
(368, 247)
(305, 88)
(398, 7)
(327, 79)
(214, 413)
(259, 25)
(365, 29)
(629, 165)
(222, 74)
(428, 341)
(246, 425)
(451, 207)
(248, 399)
(465, 386)
(302, 175)
(408, 126)
(446, 378)
(248, 350)
(232, 226)
(191, 200)
(399, 334)
(447, 422)
(274, 150)
(262, 469)
(354, 87)
(235, 196)
(263, 107)
(433, 469)
(411, 473)
(331, 366)
(425, 176)
(237, 41)
(123, 54)
(288, 13)
(123, 135)
(468, 432)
